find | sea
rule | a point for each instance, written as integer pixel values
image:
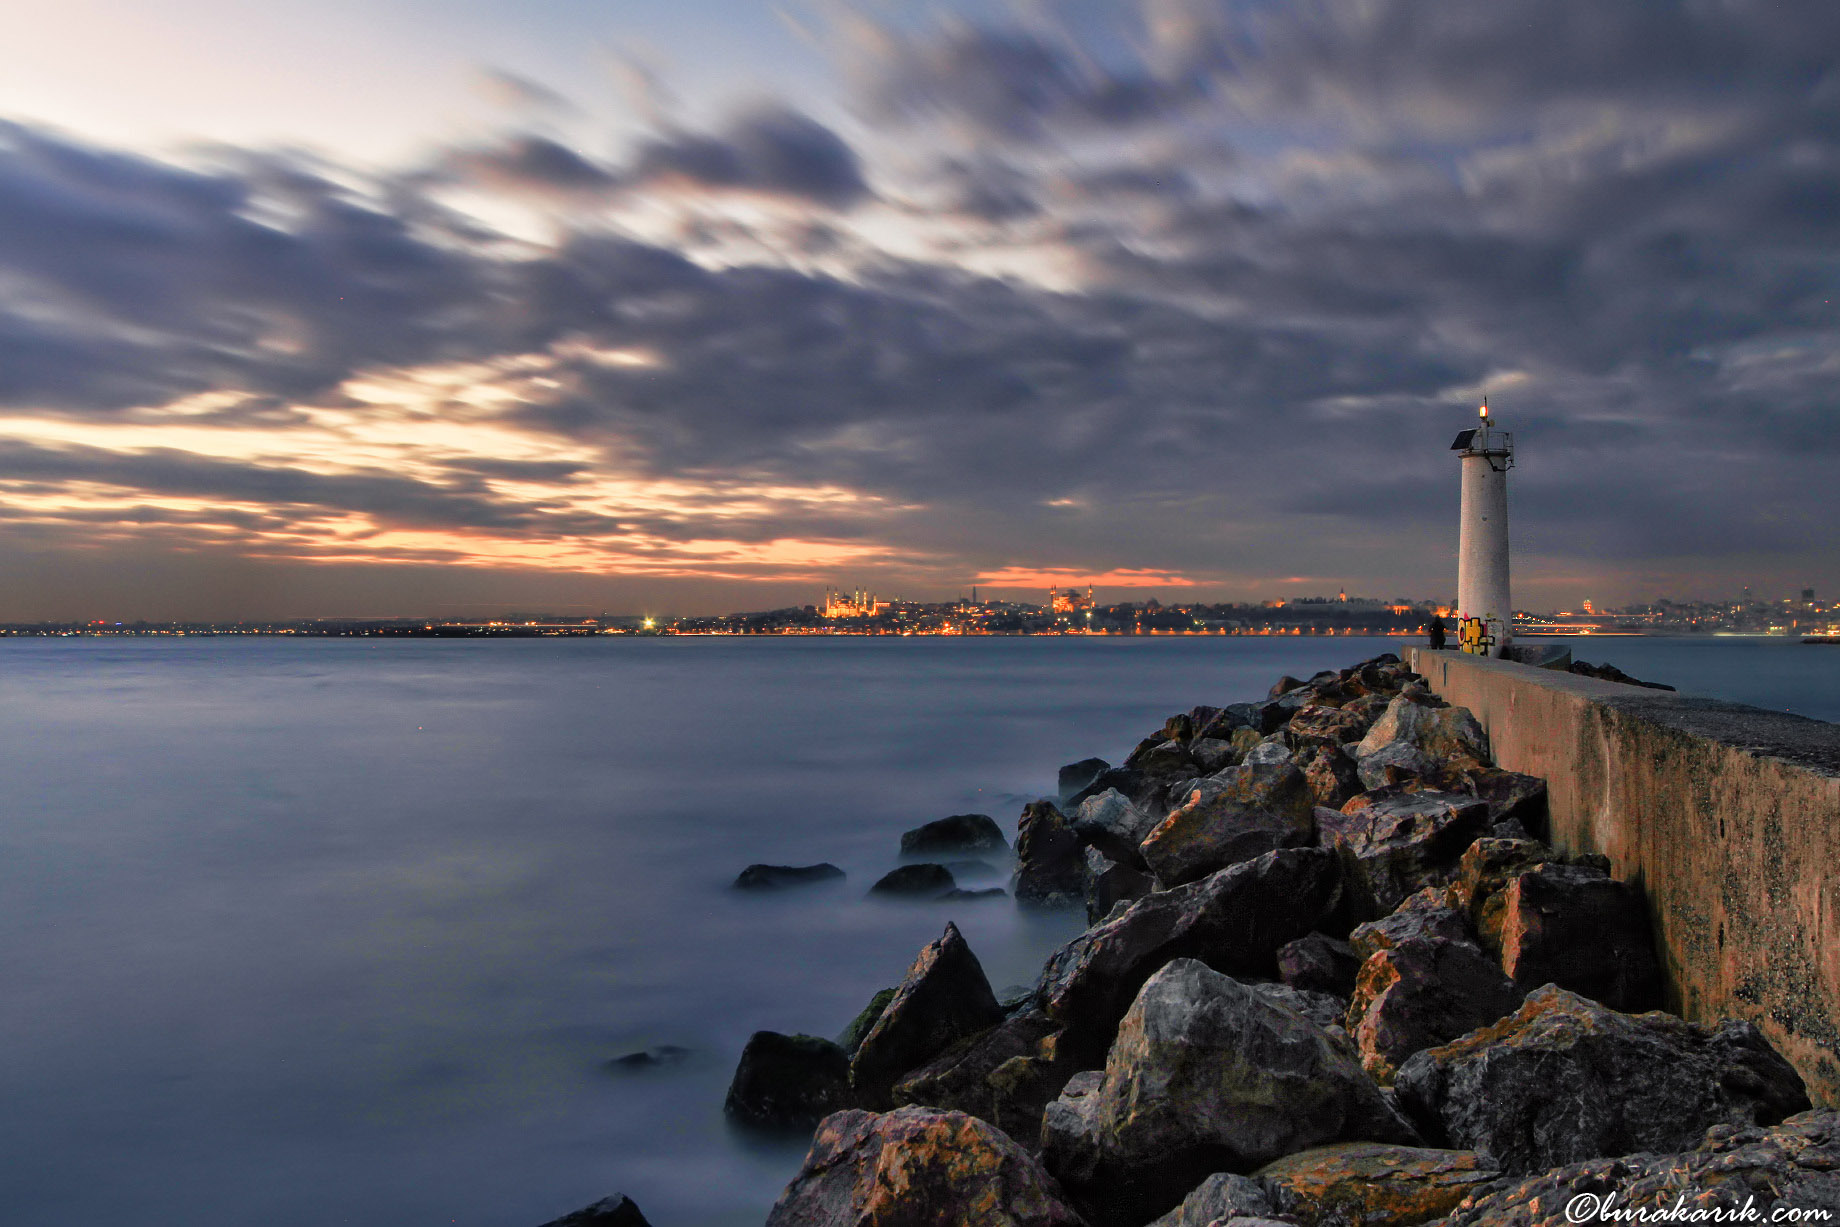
(306, 932)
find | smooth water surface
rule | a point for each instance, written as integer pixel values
(314, 932)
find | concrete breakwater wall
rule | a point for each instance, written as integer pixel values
(1727, 816)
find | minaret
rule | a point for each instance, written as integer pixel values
(1482, 542)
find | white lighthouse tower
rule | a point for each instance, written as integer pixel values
(1485, 617)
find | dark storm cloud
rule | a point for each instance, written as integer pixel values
(771, 149)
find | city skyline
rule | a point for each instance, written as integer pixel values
(402, 308)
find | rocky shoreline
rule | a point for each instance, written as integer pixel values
(1332, 978)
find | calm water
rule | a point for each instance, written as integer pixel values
(330, 932)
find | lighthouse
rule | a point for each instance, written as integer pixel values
(1485, 623)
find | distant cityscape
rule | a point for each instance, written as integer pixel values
(1070, 611)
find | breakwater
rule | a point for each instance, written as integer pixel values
(1726, 816)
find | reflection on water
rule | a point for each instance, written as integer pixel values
(347, 932)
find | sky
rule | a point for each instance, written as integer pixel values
(446, 307)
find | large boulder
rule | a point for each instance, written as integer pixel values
(1397, 762)
(1483, 874)
(1207, 1074)
(1224, 1197)
(1327, 726)
(1372, 1184)
(943, 999)
(1212, 754)
(1565, 1079)
(1115, 825)
(1417, 994)
(1333, 777)
(965, 833)
(616, 1211)
(1164, 760)
(917, 1167)
(1006, 1075)
(1227, 721)
(1426, 915)
(1050, 860)
(1773, 1172)
(1253, 809)
(778, 877)
(1512, 797)
(923, 881)
(852, 1036)
(1109, 884)
(1395, 842)
(1578, 928)
(1320, 964)
(1447, 734)
(1140, 788)
(1234, 921)
(1075, 776)
(789, 1081)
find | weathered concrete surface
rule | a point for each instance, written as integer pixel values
(1727, 816)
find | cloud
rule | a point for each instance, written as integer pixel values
(771, 149)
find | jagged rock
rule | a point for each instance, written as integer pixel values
(1212, 754)
(1224, 722)
(1257, 807)
(1417, 993)
(1320, 964)
(777, 877)
(852, 1037)
(1179, 727)
(1326, 1010)
(958, 833)
(789, 1081)
(1395, 843)
(1512, 797)
(1139, 788)
(1565, 1079)
(1222, 1198)
(1075, 776)
(1207, 1073)
(1114, 825)
(1109, 884)
(615, 1211)
(1070, 1126)
(1247, 740)
(1794, 1166)
(1166, 760)
(1577, 928)
(1272, 752)
(1006, 1075)
(1396, 763)
(1234, 920)
(1283, 685)
(1050, 860)
(1483, 874)
(1426, 916)
(1327, 726)
(915, 1167)
(1332, 776)
(926, 881)
(1372, 1184)
(1446, 734)
(943, 999)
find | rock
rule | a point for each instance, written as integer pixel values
(1324, 1009)
(1259, 807)
(1180, 727)
(1269, 753)
(1165, 760)
(1209, 1074)
(615, 1211)
(926, 881)
(1584, 931)
(1327, 726)
(1483, 874)
(1070, 1126)
(1372, 1184)
(988, 892)
(1109, 884)
(1332, 776)
(649, 1058)
(777, 877)
(852, 1036)
(1446, 734)
(915, 1167)
(943, 999)
(1234, 920)
(1212, 754)
(789, 1081)
(1794, 1166)
(1050, 860)
(1395, 843)
(1007, 1075)
(1395, 763)
(1320, 964)
(1076, 776)
(958, 833)
(1512, 797)
(1425, 916)
(1417, 994)
(1283, 685)
(961, 870)
(1114, 825)
(1565, 1079)
(1221, 1198)
(1131, 783)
